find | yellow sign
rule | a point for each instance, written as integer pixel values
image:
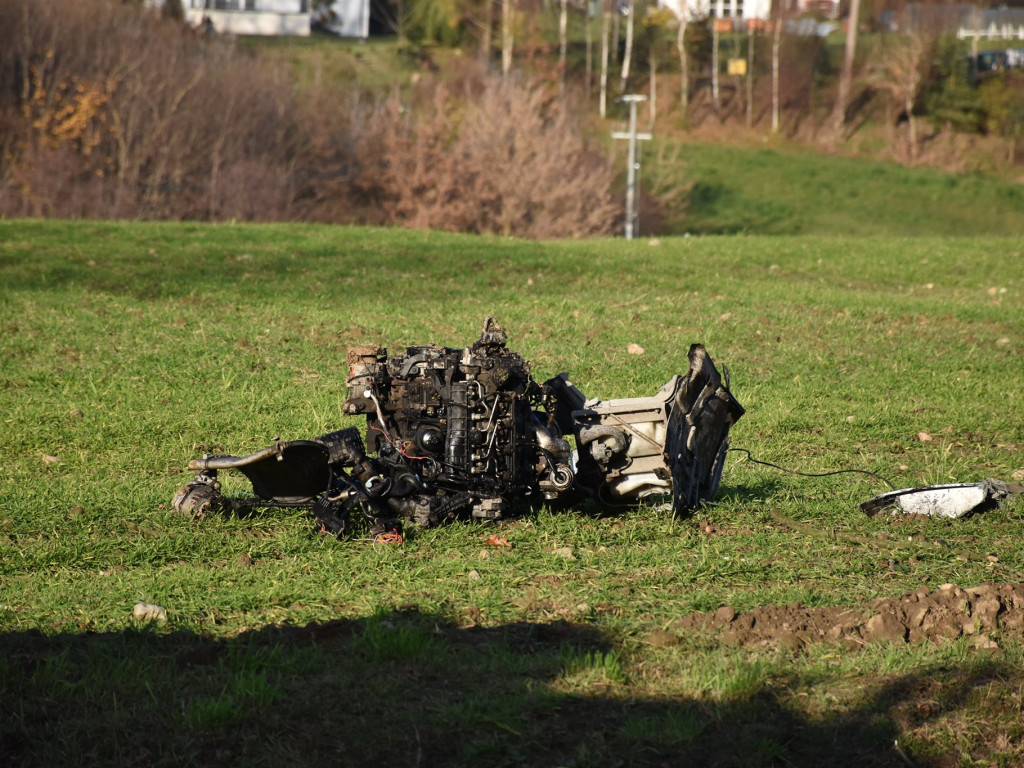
(738, 67)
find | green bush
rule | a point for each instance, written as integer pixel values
(434, 21)
(947, 94)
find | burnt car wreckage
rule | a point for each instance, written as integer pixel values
(469, 433)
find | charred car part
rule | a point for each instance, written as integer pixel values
(468, 432)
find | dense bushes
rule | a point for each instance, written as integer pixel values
(506, 162)
(116, 113)
(108, 111)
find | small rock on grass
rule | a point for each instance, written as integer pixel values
(725, 614)
(884, 626)
(149, 612)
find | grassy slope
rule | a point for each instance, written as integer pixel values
(767, 191)
(128, 348)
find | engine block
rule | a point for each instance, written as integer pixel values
(469, 431)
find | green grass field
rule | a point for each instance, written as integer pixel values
(785, 191)
(127, 349)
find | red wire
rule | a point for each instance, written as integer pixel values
(389, 537)
(394, 445)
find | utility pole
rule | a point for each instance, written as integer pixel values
(633, 165)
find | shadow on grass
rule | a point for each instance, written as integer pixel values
(408, 689)
(750, 494)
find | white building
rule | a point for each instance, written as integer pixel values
(351, 18)
(721, 9)
(748, 9)
(251, 17)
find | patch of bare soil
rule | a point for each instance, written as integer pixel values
(983, 613)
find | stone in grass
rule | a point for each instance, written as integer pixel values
(885, 627)
(725, 614)
(149, 612)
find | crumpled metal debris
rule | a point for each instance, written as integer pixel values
(954, 500)
(468, 431)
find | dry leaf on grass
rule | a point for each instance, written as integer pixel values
(494, 540)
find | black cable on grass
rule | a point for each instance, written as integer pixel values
(813, 474)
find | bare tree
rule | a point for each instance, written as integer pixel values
(393, 15)
(519, 169)
(126, 114)
(900, 73)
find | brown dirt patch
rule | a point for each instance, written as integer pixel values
(984, 613)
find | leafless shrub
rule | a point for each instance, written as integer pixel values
(900, 71)
(326, 165)
(507, 161)
(109, 111)
(117, 112)
(49, 181)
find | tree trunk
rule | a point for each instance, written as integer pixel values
(684, 69)
(589, 29)
(563, 27)
(487, 37)
(615, 30)
(628, 55)
(606, 19)
(750, 78)
(846, 75)
(715, 98)
(908, 105)
(507, 9)
(653, 104)
(776, 44)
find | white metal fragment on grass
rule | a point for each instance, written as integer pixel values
(953, 501)
(149, 612)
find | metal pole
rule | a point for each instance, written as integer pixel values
(631, 172)
(632, 164)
